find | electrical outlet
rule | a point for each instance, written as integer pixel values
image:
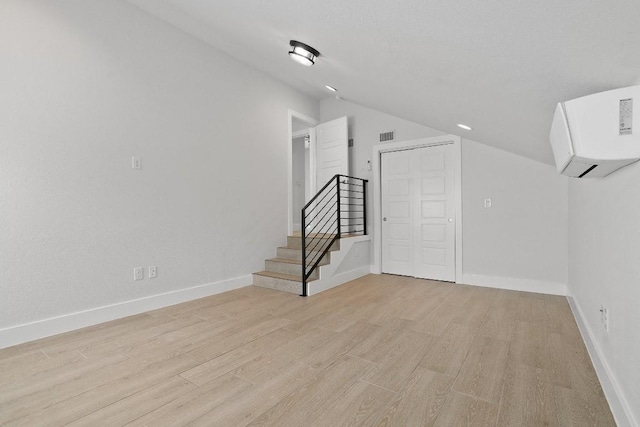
(138, 273)
(153, 272)
(487, 203)
(136, 163)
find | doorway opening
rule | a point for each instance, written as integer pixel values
(301, 165)
(317, 152)
(301, 179)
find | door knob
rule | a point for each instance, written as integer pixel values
(384, 219)
(450, 219)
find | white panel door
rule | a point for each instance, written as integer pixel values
(397, 211)
(418, 209)
(332, 150)
(434, 232)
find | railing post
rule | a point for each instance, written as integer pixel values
(304, 255)
(338, 201)
(364, 204)
(319, 230)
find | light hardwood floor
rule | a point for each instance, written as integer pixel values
(379, 351)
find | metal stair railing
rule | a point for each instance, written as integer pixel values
(338, 209)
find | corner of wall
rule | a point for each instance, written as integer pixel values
(619, 406)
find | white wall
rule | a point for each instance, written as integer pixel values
(298, 177)
(524, 233)
(365, 126)
(604, 268)
(86, 85)
(521, 242)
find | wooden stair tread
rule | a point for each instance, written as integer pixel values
(326, 236)
(291, 261)
(282, 276)
(286, 261)
(298, 249)
(315, 236)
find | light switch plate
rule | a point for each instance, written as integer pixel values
(136, 163)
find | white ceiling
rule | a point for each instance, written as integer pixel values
(498, 66)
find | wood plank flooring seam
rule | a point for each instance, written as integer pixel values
(477, 398)
(187, 379)
(360, 358)
(376, 385)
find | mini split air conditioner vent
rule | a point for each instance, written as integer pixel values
(578, 169)
(387, 136)
(583, 174)
(593, 136)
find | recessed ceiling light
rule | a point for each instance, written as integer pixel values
(465, 127)
(302, 53)
(331, 88)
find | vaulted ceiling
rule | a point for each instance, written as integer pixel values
(498, 66)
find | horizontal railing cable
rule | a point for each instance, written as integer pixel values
(340, 207)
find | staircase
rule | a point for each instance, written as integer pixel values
(284, 272)
(338, 210)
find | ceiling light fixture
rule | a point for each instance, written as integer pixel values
(331, 88)
(465, 127)
(302, 53)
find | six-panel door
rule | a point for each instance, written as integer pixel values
(418, 210)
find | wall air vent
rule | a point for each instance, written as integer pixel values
(387, 136)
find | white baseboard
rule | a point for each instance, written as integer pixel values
(338, 279)
(68, 322)
(620, 408)
(514, 284)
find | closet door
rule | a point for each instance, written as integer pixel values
(418, 209)
(397, 213)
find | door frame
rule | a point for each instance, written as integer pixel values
(378, 150)
(312, 159)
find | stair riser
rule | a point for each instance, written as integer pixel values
(286, 268)
(296, 254)
(296, 242)
(277, 284)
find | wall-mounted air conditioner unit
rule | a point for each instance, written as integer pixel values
(597, 134)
